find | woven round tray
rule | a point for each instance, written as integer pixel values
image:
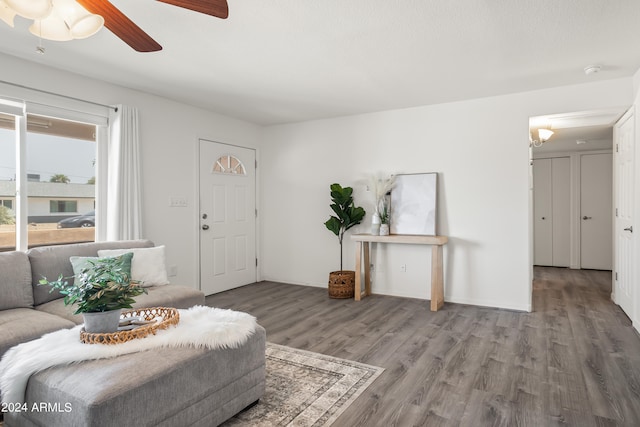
(165, 317)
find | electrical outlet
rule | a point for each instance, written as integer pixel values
(173, 270)
(403, 268)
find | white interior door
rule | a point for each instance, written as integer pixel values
(227, 217)
(624, 289)
(551, 192)
(596, 228)
(542, 205)
(561, 211)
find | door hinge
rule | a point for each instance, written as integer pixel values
(256, 213)
(256, 262)
(617, 148)
(616, 212)
(256, 164)
(616, 275)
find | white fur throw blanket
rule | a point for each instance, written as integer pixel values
(199, 326)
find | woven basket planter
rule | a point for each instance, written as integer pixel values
(342, 284)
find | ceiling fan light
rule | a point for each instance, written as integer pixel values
(6, 13)
(51, 28)
(544, 134)
(81, 23)
(31, 9)
(87, 26)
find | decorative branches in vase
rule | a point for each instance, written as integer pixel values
(381, 188)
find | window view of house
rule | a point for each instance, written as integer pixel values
(60, 163)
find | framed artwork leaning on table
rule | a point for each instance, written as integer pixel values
(414, 204)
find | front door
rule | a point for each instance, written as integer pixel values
(227, 216)
(624, 291)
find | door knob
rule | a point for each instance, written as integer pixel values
(544, 217)
(586, 217)
(629, 229)
(205, 227)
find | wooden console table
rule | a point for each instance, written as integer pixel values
(437, 276)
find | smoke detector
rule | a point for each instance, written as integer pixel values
(592, 69)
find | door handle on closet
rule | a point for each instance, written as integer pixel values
(629, 229)
(586, 217)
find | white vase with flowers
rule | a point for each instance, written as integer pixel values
(380, 187)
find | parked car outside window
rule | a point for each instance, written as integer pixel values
(86, 220)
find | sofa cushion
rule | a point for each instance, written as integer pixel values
(51, 261)
(25, 324)
(15, 281)
(170, 296)
(148, 265)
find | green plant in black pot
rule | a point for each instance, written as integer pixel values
(347, 215)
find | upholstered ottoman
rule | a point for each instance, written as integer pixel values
(166, 387)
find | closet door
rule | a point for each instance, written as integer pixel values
(542, 205)
(551, 192)
(561, 199)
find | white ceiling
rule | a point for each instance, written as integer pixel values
(283, 61)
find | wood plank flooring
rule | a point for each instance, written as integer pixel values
(573, 361)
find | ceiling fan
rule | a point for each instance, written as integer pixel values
(124, 28)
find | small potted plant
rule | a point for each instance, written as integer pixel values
(101, 290)
(384, 219)
(347, 215)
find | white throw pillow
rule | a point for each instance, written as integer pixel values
(148, 264)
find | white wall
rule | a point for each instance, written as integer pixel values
(169, 133)
(480, 150)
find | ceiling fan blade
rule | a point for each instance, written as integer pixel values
(118, 23)
(217, 8)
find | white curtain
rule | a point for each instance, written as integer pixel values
(124, 213)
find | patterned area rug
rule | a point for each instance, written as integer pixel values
(306, 389)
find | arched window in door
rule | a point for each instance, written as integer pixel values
(229, 164)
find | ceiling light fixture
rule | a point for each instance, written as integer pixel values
(592, 69)
(543, 136)
(58, 20)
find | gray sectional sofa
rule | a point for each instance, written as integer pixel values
(190, 386)
(28, 310)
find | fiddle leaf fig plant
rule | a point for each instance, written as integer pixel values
(102, 285)
(346, 215)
